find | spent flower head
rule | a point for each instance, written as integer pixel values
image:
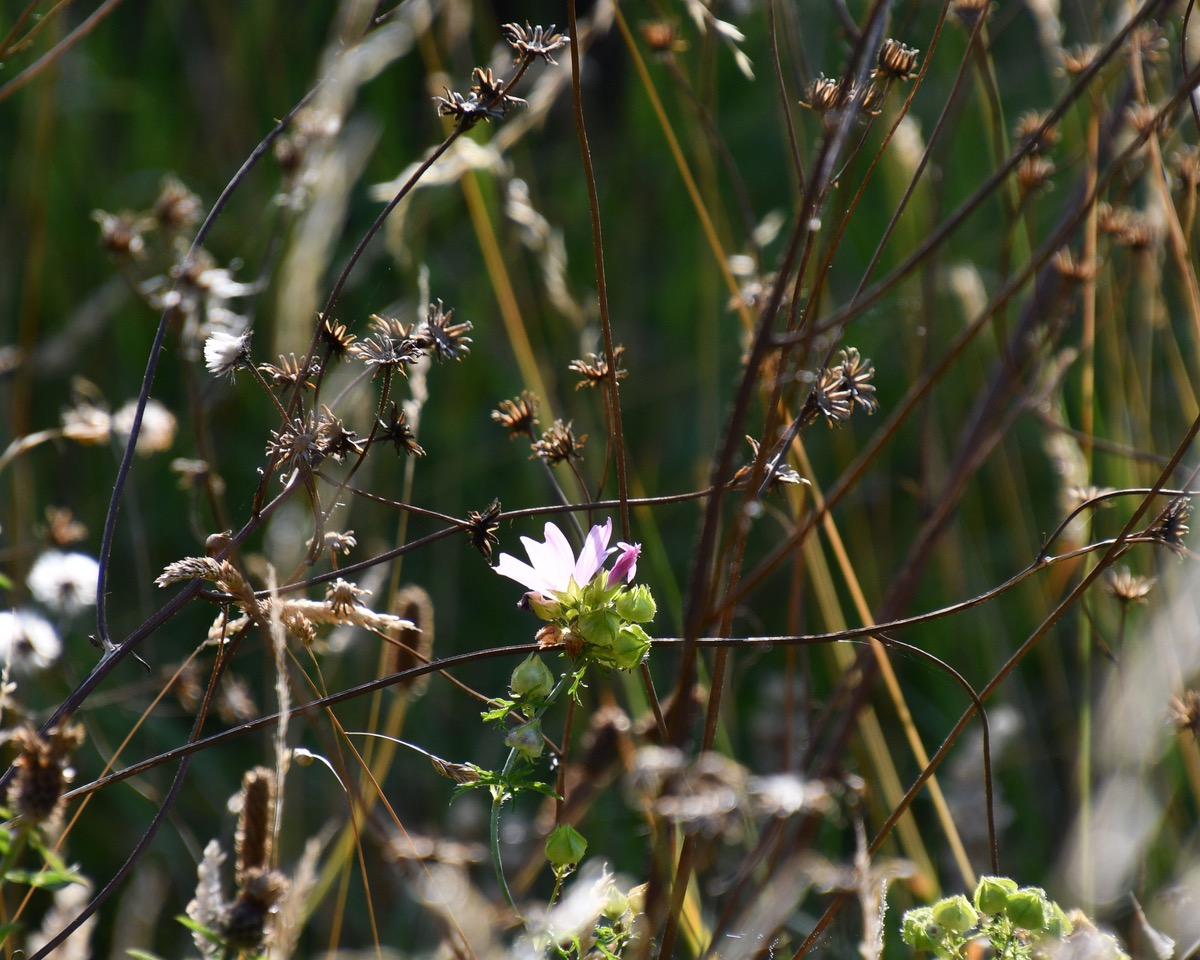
(224, 351)
(64, 582)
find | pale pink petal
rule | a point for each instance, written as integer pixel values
(593, 553)
(509, 566)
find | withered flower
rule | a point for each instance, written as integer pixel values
(858, 374)
(391, 344)
(869, 99)
(1146, 118)
(63, 528)
(535, 41)
(336, 338)
(897, 61)
(482, 527)
(244, 927)
(338, 442)
(469, 110)
(1078, 58)
(342, 596)
(1027, 126)
(1080, 271)
(824, 94)
(290, 371)
(558, 444)
(43, 770)
(1171, 526)
(1128, 587)
(517, 416)
(299, 445)
(449, 341)
(1033, 172)
(594, 368)
(783, 472)
(1149, 41)
(176, 208)
(1185, 712)
(122, 234)
(395, 430)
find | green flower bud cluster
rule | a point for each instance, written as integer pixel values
(1018, 922)
(604, 618)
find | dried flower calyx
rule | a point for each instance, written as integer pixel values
(840, 388)
(518, 416)
(536, 41)
(897, 61)
(395, 430)
(43, 770)
(558, 444)
(594, 368)
(439, 335)
(482, 527)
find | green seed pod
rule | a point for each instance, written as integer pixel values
(598, 628)
(548, 608)
(1057, 923)
(532, 679)
(630, 650)
(991, 896)
(526, 739)
(919, 930)
(1027, 908)
(565, 846)
(955, 914)
(637, 604)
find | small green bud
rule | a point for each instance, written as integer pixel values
(526, 739)
(919, 930)
(1027, 908)
(616, 904)
(598, 628)
(955, 914)
(637, 604)
(991, 895)
(565, 846)
(532, 679)
(1057, 923)
(629, 651)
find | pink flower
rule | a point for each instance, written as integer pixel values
(553, 563)
(625, 569)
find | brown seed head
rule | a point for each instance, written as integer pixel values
(43, 770)
(897, 61)
(518, 416)
(559, 444)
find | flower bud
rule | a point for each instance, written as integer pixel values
(1027, 908)
(1058, 924)
(637, 604)
(548, 608)
(955, 914)
(532, 679)
(629, 650)
(526, 739)
(565, 846)
(918, 930)
(598, 628)
(625, 567)
(991, 896)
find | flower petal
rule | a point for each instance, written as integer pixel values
(509, 566)
(625, 567)
(593, 553)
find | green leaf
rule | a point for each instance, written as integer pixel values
(197, 927)
(44, 879)
(6, 929)
(142, 954)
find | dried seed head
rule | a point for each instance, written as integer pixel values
(337, 338)
(395, 430)
(482, 529)
(244, 928)
(869, 99)
(535, 41)
(559, 444)
(300, 445)
(1128, 587)
(1171, 526)
(449, 341)
(1148, 40)
(342, 596)
(1080, 271)
(1185, 712)
(825, 94)
(62, 527)
(1074, 60)
(897, 61)
(256, 822)
(290, 371)
(594, 368)
(1146, 118)
(223, 352)
(1033, 173)
(1186, 162)
(517, 416)
(122, 234)
(968, 12)
(176, 209)
(1027, 127)
(43, 770)
(391, 345)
